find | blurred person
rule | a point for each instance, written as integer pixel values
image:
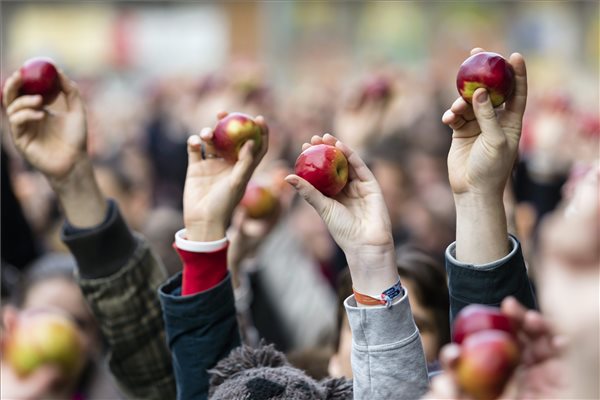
(49, 284)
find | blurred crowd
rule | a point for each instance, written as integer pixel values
(137, 138)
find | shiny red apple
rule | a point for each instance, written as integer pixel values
(232, 132)
(39, 76)
(476, 318)
(486, 363)
(44, 338)
(259, 201)
(486, 70)
(325, 167)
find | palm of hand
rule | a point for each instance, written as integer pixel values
(58, 133)
(475, 161)
(358, 216)
(207, 184)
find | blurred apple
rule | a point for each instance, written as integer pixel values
(232, 132)
(259, 201)
(325, 167)
(376, 88)
(44, 338)
(476, 318)
(39, 76)
(487, 361)
(486, 70)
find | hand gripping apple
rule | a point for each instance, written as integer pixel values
(325, 167)
(357, 219)
(486, 70)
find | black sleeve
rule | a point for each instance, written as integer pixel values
(488, 284)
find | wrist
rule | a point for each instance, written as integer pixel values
(204, 231)
(373, 269)
(481, 228)
(80, 197)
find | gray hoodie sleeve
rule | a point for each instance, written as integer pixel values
(388, 361)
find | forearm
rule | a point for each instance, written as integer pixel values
(481, 228)
(80, 197)
(373, 270)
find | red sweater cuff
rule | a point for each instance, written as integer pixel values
(202, 271)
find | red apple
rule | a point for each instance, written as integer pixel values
(232, 132)
(39, 76)
(486, 70)
(259, 201)
(475, 318)
(486, 363)
(42, 338)
(325, 167)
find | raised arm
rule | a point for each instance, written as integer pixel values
(117, 272)
(485, 264)
(387, 355)
(198, 304)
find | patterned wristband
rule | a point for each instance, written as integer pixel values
(386, 298)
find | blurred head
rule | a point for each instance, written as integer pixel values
(49, 283)
(425, 280)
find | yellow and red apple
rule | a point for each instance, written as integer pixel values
(232, 132)
(486, 363)
(325, 167)
(43, 338)
(259, 201)
(40, 77)
(486, 70)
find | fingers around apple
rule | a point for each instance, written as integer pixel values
(325, 167)
(486, 70)
(40, 76)
(235, 129)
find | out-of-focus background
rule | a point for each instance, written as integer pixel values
(152, 73)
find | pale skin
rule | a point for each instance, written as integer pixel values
(483, 151)
(358, 221)
(214, 187)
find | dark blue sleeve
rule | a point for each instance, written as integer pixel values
(201, 330)
(490, 283)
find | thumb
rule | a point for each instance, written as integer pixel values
(486, 117)
(315, 198)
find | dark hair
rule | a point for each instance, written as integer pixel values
(344, 289)
(430, 285)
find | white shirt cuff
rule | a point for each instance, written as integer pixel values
(198, 247)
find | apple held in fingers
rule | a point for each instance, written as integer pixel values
(325, 167)
(44, 338)
(475, 318)
(40, 77)
(259, 201)
(487, 361)
(232, 132)
(486, 70)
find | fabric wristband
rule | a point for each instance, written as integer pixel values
(204, 263)
(386, 298)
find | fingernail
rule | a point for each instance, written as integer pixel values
(483, 97)
(292, 180)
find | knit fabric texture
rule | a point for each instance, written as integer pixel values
(264, 373)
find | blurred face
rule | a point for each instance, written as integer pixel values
(312, 230)
(65, 295)
(391, 181)
(425, 320)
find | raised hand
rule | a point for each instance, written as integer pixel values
(540, 374)
(485, 140)
(358, 221)
(52, 141)
(484, 149)
(213, 186)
